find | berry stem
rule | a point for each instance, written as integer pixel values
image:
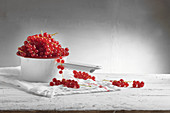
(41, 32)
(106, 80)
(21, 51)
(54, 34)
(129, 81)
(85, 85)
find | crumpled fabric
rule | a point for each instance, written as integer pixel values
(10, 75)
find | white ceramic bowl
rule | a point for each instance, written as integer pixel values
(39, 70)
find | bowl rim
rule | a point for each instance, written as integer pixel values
(39, 58)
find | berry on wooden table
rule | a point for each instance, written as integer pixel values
(66, 83)
(51, 84)
(120, 83)
(82, 75)
(137, 84)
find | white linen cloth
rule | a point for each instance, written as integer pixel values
(10, 75)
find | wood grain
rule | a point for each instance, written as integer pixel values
(87, 111)
(155, 95)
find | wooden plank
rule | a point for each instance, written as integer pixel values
(87, 111)
(154, 96)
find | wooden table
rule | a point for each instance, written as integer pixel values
(154, 96)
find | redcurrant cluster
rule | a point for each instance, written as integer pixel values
(66, 83)
(120, 83)
(42, 46)
(137, 84)
(83, 75)
(61, 67)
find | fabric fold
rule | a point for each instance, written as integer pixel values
(10, 75)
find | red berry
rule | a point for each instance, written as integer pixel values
(51, 84)
(77, 86)
(25, 42)
(36, 55)
(134, 85)
(46, 53)
(100, 86)
(29, 38)
(59, 66)
(141, 85)
(75, 76)
(41, 53)
(59, 46)
(121, 80)
(62, 67)
(122, 84)
(54, 79)
(62, 61)
(142, 82)
(93, 78)
(66, 49)
(49, 36)
(118, 83)
(137, 82)
(63, 80)
(45, 34)
(60, 72)
(58, 60)
(66, 53)
(52, 40)
(33, 54)
(61, 57)
(40, 35)
(48, 49)
(113, 83)
(126, 84)
(57, 82)
(36, 51)
(36, 35)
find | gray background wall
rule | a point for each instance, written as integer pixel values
(126, 36)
